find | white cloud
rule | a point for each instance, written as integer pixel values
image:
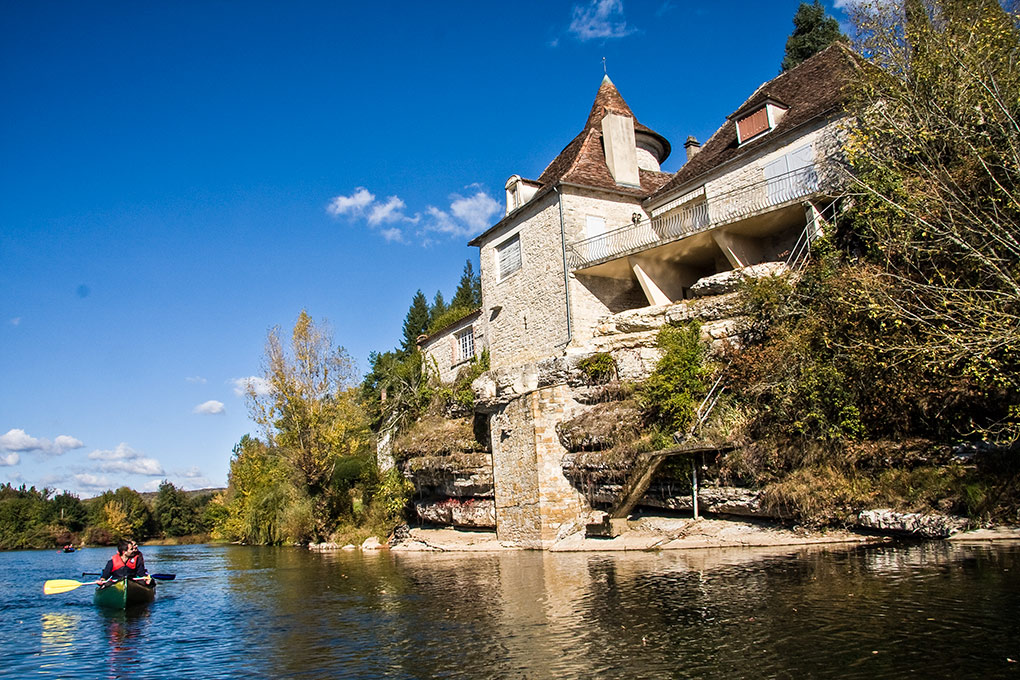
(138, 466)
(192, 479)
(392, 234)
(354, 204)
(9, 460)
(196, 379)
(65, 443)
(468, 215)
(211, 408)
(389, 212)
(475, 211)
(192, 473)
(362, 204)
(122, 452)
(126, 459)
(260, 386)
(599, 19)
(20, 441)
(89, 482)
(16, 321)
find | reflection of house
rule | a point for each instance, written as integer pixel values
(602, 230)
(449, 349)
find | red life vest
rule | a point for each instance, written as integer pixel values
(119, 563)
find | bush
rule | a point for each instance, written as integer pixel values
(671, 394)
(599, 368)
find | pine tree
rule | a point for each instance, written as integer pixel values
(415, 323)
(469, 291)
(813, 31)
(439, 307)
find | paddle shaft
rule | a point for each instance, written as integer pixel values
(158, 577)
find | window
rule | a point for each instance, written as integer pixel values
(508, 256)
(466, 344)
(759, 122)
(784, 182)
(755, 124)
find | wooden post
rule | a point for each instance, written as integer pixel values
(694, 484)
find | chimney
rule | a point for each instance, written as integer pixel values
(621, 149)
(692, 146)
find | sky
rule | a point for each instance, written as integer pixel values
(177, 178)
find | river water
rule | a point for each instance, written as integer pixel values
(921, 610)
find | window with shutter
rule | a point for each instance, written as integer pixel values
(508, 256)
(466, 344)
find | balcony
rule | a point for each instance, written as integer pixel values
(732, 206)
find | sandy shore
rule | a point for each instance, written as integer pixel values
(646, 533)
(672, 533)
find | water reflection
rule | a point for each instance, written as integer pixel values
(880, 611)
(125, 632)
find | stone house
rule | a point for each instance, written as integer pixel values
(532, 303)
(603, 234)
(452, 347)
(603, 230)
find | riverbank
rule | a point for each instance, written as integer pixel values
(645, 533)
(671, 533)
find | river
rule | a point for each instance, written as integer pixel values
(888, 611)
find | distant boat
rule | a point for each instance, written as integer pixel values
(125, 593)
(67, 548)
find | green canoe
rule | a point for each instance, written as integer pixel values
(124, 594)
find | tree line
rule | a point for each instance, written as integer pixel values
(41, 518)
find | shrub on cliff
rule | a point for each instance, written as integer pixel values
(671, 394)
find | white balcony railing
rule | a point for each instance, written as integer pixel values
(703, 215)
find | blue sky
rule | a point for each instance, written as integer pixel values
(179, 177)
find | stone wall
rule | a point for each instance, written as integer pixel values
(533, 497)
(442, 349)
(515, 474)
(525, 314)
(592, 297)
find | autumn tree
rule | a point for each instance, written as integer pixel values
(312, 417)
(813, 31)
(934, 156)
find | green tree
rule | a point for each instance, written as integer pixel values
(813, 31)
(416, 322)
(438, 308)
(173, 513)
(468, 295)
(69, 512)
(123, 512)
(934, 156)
(311, 415)
(258, 495)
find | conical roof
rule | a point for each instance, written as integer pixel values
(583, 161)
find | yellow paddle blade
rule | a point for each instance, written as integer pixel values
(60, 585)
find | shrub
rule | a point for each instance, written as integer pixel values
(671, 394)
(599, 368)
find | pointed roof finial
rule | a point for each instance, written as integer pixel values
(606, 72)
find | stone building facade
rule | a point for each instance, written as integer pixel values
(603, 241)
(450, 349)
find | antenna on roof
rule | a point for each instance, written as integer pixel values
(604, 66)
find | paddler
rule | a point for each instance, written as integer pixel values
(126, 563)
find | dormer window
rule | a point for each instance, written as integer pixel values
(759, 121)
(518, 192)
